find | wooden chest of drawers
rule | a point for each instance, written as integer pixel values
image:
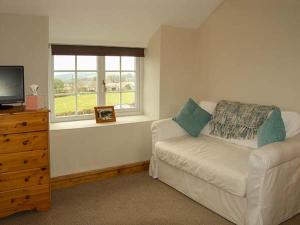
(24, 161)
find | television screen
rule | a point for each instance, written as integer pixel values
(11, 84)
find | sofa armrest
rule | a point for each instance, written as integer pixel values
(274, 177)
(162, 130)
(273, 155)
(165, 129)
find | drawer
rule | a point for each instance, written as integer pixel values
(26, 122)
(35, 197)
(24, 178)
(23, 160)
(10, 143)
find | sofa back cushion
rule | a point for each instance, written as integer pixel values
(208, 106)
(291, 122)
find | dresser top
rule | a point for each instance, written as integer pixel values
(20, 110)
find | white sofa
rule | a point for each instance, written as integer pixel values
(231, 177)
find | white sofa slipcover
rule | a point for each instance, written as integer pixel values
(246, 186)
(222, 164)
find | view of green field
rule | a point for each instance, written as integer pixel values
(65, 105)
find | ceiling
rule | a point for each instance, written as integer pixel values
(112, 22)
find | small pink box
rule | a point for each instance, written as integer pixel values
(32, 102)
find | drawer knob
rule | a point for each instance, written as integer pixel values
(26, 179)
(25, 142)
(24, 124)
(25, 161)
(27, 197)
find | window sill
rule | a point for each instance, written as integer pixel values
(92, 123)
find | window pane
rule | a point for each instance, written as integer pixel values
(113, 98)
(64, 105)
(86, 82)
(112, 80)
(128, 81)
(112, 63)
(128, 63)
(64, 62)
(64, 82)
(128, 100)
(86, 103)
(86, 62)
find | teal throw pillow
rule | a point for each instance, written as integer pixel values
(192, 118)
(272, 130)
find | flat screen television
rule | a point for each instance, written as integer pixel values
(11, 85)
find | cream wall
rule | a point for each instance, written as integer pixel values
(170, 71)
(178, 78)
(249, 50)
(84, 149)
(246, 50)
(151, 85)
(24, 41)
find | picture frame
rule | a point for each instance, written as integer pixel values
(104, 114)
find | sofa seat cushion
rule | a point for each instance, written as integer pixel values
(220, 163)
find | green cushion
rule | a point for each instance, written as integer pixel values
(272, 130)
(192, 118)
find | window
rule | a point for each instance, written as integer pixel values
(120, 82)
(79, 83)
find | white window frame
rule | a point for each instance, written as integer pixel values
(100, 90)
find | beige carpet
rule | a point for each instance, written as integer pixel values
(128, 200)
